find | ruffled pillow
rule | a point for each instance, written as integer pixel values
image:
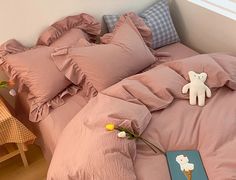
(86, 25)
(11, 46)
(96, 67)
(35, 69)
(70, 38)
(143, 29)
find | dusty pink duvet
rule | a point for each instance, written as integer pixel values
(152, 105)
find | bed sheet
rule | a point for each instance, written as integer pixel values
(173, 52)
(49, 129)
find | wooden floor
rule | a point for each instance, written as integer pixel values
(13, 169)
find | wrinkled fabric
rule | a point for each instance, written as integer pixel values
(152, 105)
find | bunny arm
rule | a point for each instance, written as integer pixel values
(208, 92)
(185, 88)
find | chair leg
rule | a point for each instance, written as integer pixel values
(25, 148)
(22, 154)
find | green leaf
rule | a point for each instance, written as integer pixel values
(131, 138)
(3, 84)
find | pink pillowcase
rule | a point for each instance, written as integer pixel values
(86, 27)
(35, 69)
(11, 46)
(96, 67)
(70, 38)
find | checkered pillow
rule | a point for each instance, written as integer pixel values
(158, 19)
(110, 21)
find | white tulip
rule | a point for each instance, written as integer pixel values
(121, 134)
(12, 92)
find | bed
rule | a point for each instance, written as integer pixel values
(133, 77)
(51, 127)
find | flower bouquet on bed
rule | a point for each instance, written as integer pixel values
(126, 133)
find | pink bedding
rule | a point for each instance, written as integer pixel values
(49, 129)
(152, 104)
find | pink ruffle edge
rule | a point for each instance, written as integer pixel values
(38, 110)
(11, 46)
(143, 29)
(72, 71)
(82, 21)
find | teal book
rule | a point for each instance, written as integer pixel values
(186, 165)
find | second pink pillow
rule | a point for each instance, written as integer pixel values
(96, 67)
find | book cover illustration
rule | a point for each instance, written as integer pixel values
(186, 165)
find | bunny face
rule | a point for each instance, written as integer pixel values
(181, 159)
(195, 76)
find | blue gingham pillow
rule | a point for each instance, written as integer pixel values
(158, 19)
(110, 21)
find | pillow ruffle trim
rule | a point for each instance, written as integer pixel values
(72, 71)
(11, 46)
(38, 110)
(82, 21)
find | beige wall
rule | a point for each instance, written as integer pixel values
(25, 19)
(203, 30)
(199, 28)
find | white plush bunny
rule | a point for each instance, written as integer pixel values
(197, 88)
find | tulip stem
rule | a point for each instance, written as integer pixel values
(151, 145)
(135, 136)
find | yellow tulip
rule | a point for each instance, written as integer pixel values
(110, 127)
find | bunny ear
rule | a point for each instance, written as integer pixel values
(204, 74)
(190, 73)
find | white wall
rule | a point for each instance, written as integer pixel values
(203, 30)
(25, 19)
(199, 28)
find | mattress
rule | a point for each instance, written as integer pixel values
(49, 130)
